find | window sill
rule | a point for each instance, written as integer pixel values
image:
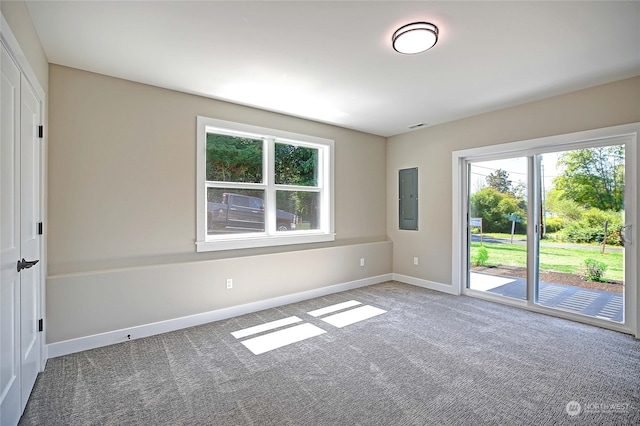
(219, 244)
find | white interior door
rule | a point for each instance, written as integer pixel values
(10, 394)
(29, 238)
(20, 158)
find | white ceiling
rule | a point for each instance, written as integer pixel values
(333, 62)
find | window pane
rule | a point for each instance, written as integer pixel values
(299, 207)
(296, 165)
(237, 210)
(498, 227)
(233, 159)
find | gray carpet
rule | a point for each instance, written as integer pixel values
(431, 359)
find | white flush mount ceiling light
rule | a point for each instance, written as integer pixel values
(415, 38)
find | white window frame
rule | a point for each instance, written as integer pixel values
(270, 236)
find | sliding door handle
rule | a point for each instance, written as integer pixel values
(625, 234)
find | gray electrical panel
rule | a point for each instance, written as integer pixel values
(408, 199)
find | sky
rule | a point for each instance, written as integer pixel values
(517, 169)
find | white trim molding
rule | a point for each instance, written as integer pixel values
(9, 40)
(116, 336)
(431, 285)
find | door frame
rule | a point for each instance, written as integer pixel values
(8, 39)
(627, 134)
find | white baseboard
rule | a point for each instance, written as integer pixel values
(118, 336)
(444, 288)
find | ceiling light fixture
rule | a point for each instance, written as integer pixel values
(415, 38)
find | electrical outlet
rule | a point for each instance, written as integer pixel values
(362, 261)
(415, 260)
(229, 283)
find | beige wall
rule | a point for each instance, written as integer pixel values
(122, 173)
(431, 151)
(122, 202)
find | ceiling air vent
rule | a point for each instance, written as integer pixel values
(417, 126)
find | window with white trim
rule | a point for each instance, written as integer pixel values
(261, 187)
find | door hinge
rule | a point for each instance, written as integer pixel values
(40, 132)
(40, 325)
(39, 228)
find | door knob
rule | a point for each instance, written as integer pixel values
(26, 264)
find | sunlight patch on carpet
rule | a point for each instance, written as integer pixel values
(353, 316)
(288, 334)
(277, 339)
(265, 327)
(334, 308)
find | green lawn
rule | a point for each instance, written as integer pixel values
(551, 258)
(552, 238)
(502, 235)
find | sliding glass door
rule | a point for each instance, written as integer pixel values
(547, 229)
(581, 250)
